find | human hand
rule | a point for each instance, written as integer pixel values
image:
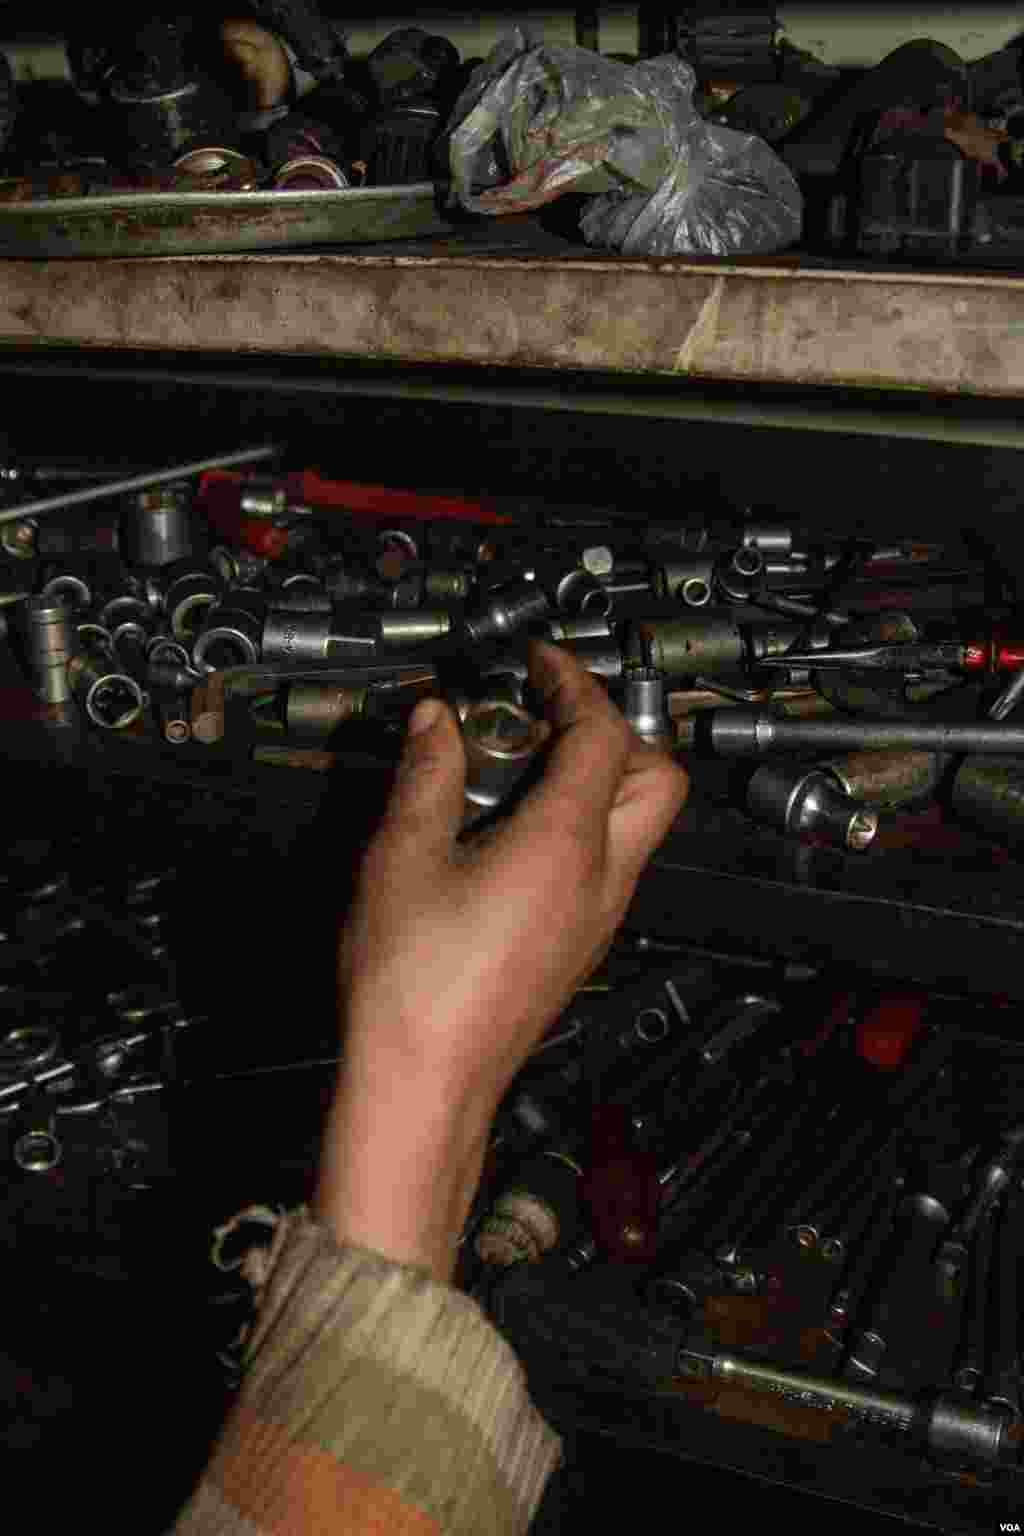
(458, 955)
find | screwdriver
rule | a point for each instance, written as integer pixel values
(994, 654)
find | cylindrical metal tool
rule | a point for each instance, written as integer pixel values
(973, 1354)
(751, 733)
(446, 586)
(110, 697)
(156, 526)
(502, 743)
(73, 591)
(417, 627)
(51, 640)
(188, 596)
(703, 646)
(989, 793)
(302, 637)
(691, 580)
(645, 707)
(315, 710)
(302, 599)
(586, 626)
(738, 575)
(509, 612)
(230, 637)
(174, 679)
(950, 1425)
(534, 1216)
(805, 800)
(886, 778)
(920, 1222)
(770, 538)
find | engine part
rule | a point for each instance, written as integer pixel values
(50, 642)
(645, 707)
(417, 628)
(740, 574)
(1002, 1378)
(502, 743)
(692, 581)
(805, 800)
(989, 793)
(751, 733)
(586, 626)
(973, 1352)
(920, 1221)
(142, 482)
(950, 1426)
(316, 710)
(187, 598)
(508, 613)
(887, 778)
(155, 528)
(540, 1212)
(110, 697)
(72, 590)
(230, 637)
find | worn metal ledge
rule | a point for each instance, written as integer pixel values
(944, 333)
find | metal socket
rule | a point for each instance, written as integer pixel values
(508, 613)
(586, 626)
(51, 642)
(738, 575)
(691, 581)
(770, 538)
(416, 628)
(71, 590)
(296, 637)
(645, 706)
(446, 586)
(600, 656)
(36, 1148)
(501, 742)
(187, 600)
(110, 698)
(156, 526)
(703, 646)
(230, 637)
(887, 778)
(315, 710)
(805, 800)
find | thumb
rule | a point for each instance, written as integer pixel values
(424, 815)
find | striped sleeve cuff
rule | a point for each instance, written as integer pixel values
(384, 1385)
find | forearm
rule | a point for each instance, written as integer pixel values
(400, 1166)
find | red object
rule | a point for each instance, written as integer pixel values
(886, 1035)
(220, 500)
(388, 502)
(621, 1189)
(998, 653)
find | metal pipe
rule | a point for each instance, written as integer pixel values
(139, 482)
(752, 733)
(50, 645)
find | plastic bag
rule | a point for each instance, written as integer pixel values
(537, 121)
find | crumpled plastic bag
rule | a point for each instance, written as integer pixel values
(536, 121)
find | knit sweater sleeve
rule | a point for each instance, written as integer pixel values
(375, 1400)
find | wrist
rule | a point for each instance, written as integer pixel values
(399, 1172)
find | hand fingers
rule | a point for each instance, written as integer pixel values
(425, 811)
(587, 761)
(653, 792)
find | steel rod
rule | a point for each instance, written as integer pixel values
(752, 733)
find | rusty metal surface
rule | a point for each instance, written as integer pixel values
(194, 223)
(943, 333)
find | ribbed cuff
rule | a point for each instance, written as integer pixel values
(402, 1379)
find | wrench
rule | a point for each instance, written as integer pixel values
(974, 1340)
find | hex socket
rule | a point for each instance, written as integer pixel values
(692, 581)
(156, 527)
(501, 742)
(296, 637)
(186, 601)
(230, 637)
(704, 645)
(512, 611)
(315, 710)
(51, 641)
(645, 706)
(110, 698)
(414, 628)
(799, 799)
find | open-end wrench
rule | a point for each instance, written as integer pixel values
(972, 1357)
(1002, 1376)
